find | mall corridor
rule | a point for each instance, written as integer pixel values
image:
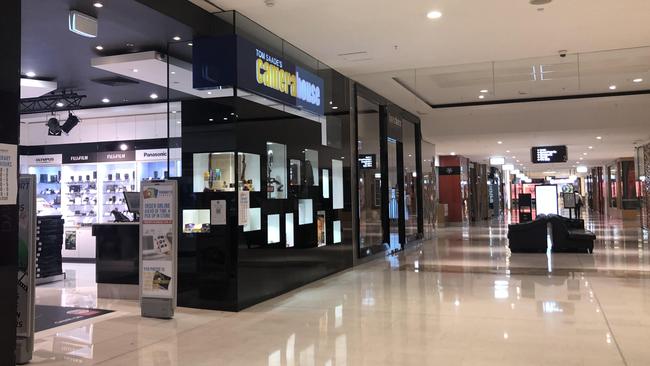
(461, 299)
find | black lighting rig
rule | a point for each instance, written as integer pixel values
(52, 103)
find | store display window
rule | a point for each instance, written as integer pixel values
(114, 180)
(321, 225)
(311, 167)
(288, 223)
(196, 221)
(214, 172)
(254, 219)
(80, 194)
(276, 167)
(336, 231)
(273, 229)
(337, 184)
(294, 172)
(249, 172)
(326, 183)
(305, 212)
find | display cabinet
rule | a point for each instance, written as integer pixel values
(276, 168)
(214, 172)
(47, 169)
(115, 179)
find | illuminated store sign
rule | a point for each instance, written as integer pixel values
(549, 154)
(257, 70)
(367, 161)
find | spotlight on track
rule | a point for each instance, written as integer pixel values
(70, 123)
(53, 127)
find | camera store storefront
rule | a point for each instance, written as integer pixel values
(274, 191)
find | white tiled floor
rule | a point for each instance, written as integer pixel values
(461, 299)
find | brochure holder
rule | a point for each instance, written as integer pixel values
(158, 248)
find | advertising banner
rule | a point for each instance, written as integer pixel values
(26, 267)
(158, 240)
(8, 174)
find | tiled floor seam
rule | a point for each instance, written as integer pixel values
(609, 327)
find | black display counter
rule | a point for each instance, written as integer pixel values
(117, 259)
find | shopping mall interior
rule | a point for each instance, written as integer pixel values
(282, 182)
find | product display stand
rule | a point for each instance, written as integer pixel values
(49, 242)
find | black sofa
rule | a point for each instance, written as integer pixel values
(570, 236)
(528, 237)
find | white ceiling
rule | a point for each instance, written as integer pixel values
(490, 45)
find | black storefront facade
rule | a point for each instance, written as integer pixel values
(263, 117)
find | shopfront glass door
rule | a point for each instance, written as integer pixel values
(395, 214)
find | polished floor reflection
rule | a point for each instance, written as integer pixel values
(461, 299)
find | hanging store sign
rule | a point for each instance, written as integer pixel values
(367, 161)
(549, 154)
(449, 170)
(258, 70)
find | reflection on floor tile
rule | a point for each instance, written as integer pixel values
(460, 299)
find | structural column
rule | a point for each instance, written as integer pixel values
(9, 134)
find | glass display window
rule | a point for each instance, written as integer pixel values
(288, 223)
(305, 212)
(337, 184)
(336, 231)
(294, 172)
(113, 180)
(79, 194)
(249, 172)
(273, 229)
(326, 183)
(321, 225)
(196, 221)
(254, 219)
(214, 172)
(311, 168)
(276, 168)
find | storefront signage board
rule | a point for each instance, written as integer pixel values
(80, 158)
(258, 70)
(546, 199)
(158, 248)
(53, 159)
(151, 155)
(115, 156)
(25, 314)
(8, 174)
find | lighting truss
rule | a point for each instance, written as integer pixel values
(48, 103)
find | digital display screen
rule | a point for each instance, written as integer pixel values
(367, 161)
(549, 154)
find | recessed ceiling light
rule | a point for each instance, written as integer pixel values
(153, 96)
(106, 100)
(499, 142)
(517, 161)
(173, 72)
(434, 14)
(176, 38)
(174, 112)
(581, 158)
(190, 44)
(612, 87)
(210, 119)
(59, 104)
(599, 137)
(178, 122)
(335, 107)
(98, 4)
(99, 47)
(128, 44)
(452, 153)
(514, 157)
(225, 118)
(638, 80)
(481, 96)
(135, 70)
(591, 147)
(124, 147)
(507, 151)
(584, 153)
(30, 74)
(484, 91)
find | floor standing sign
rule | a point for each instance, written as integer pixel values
(26, 267)
(158, 248)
